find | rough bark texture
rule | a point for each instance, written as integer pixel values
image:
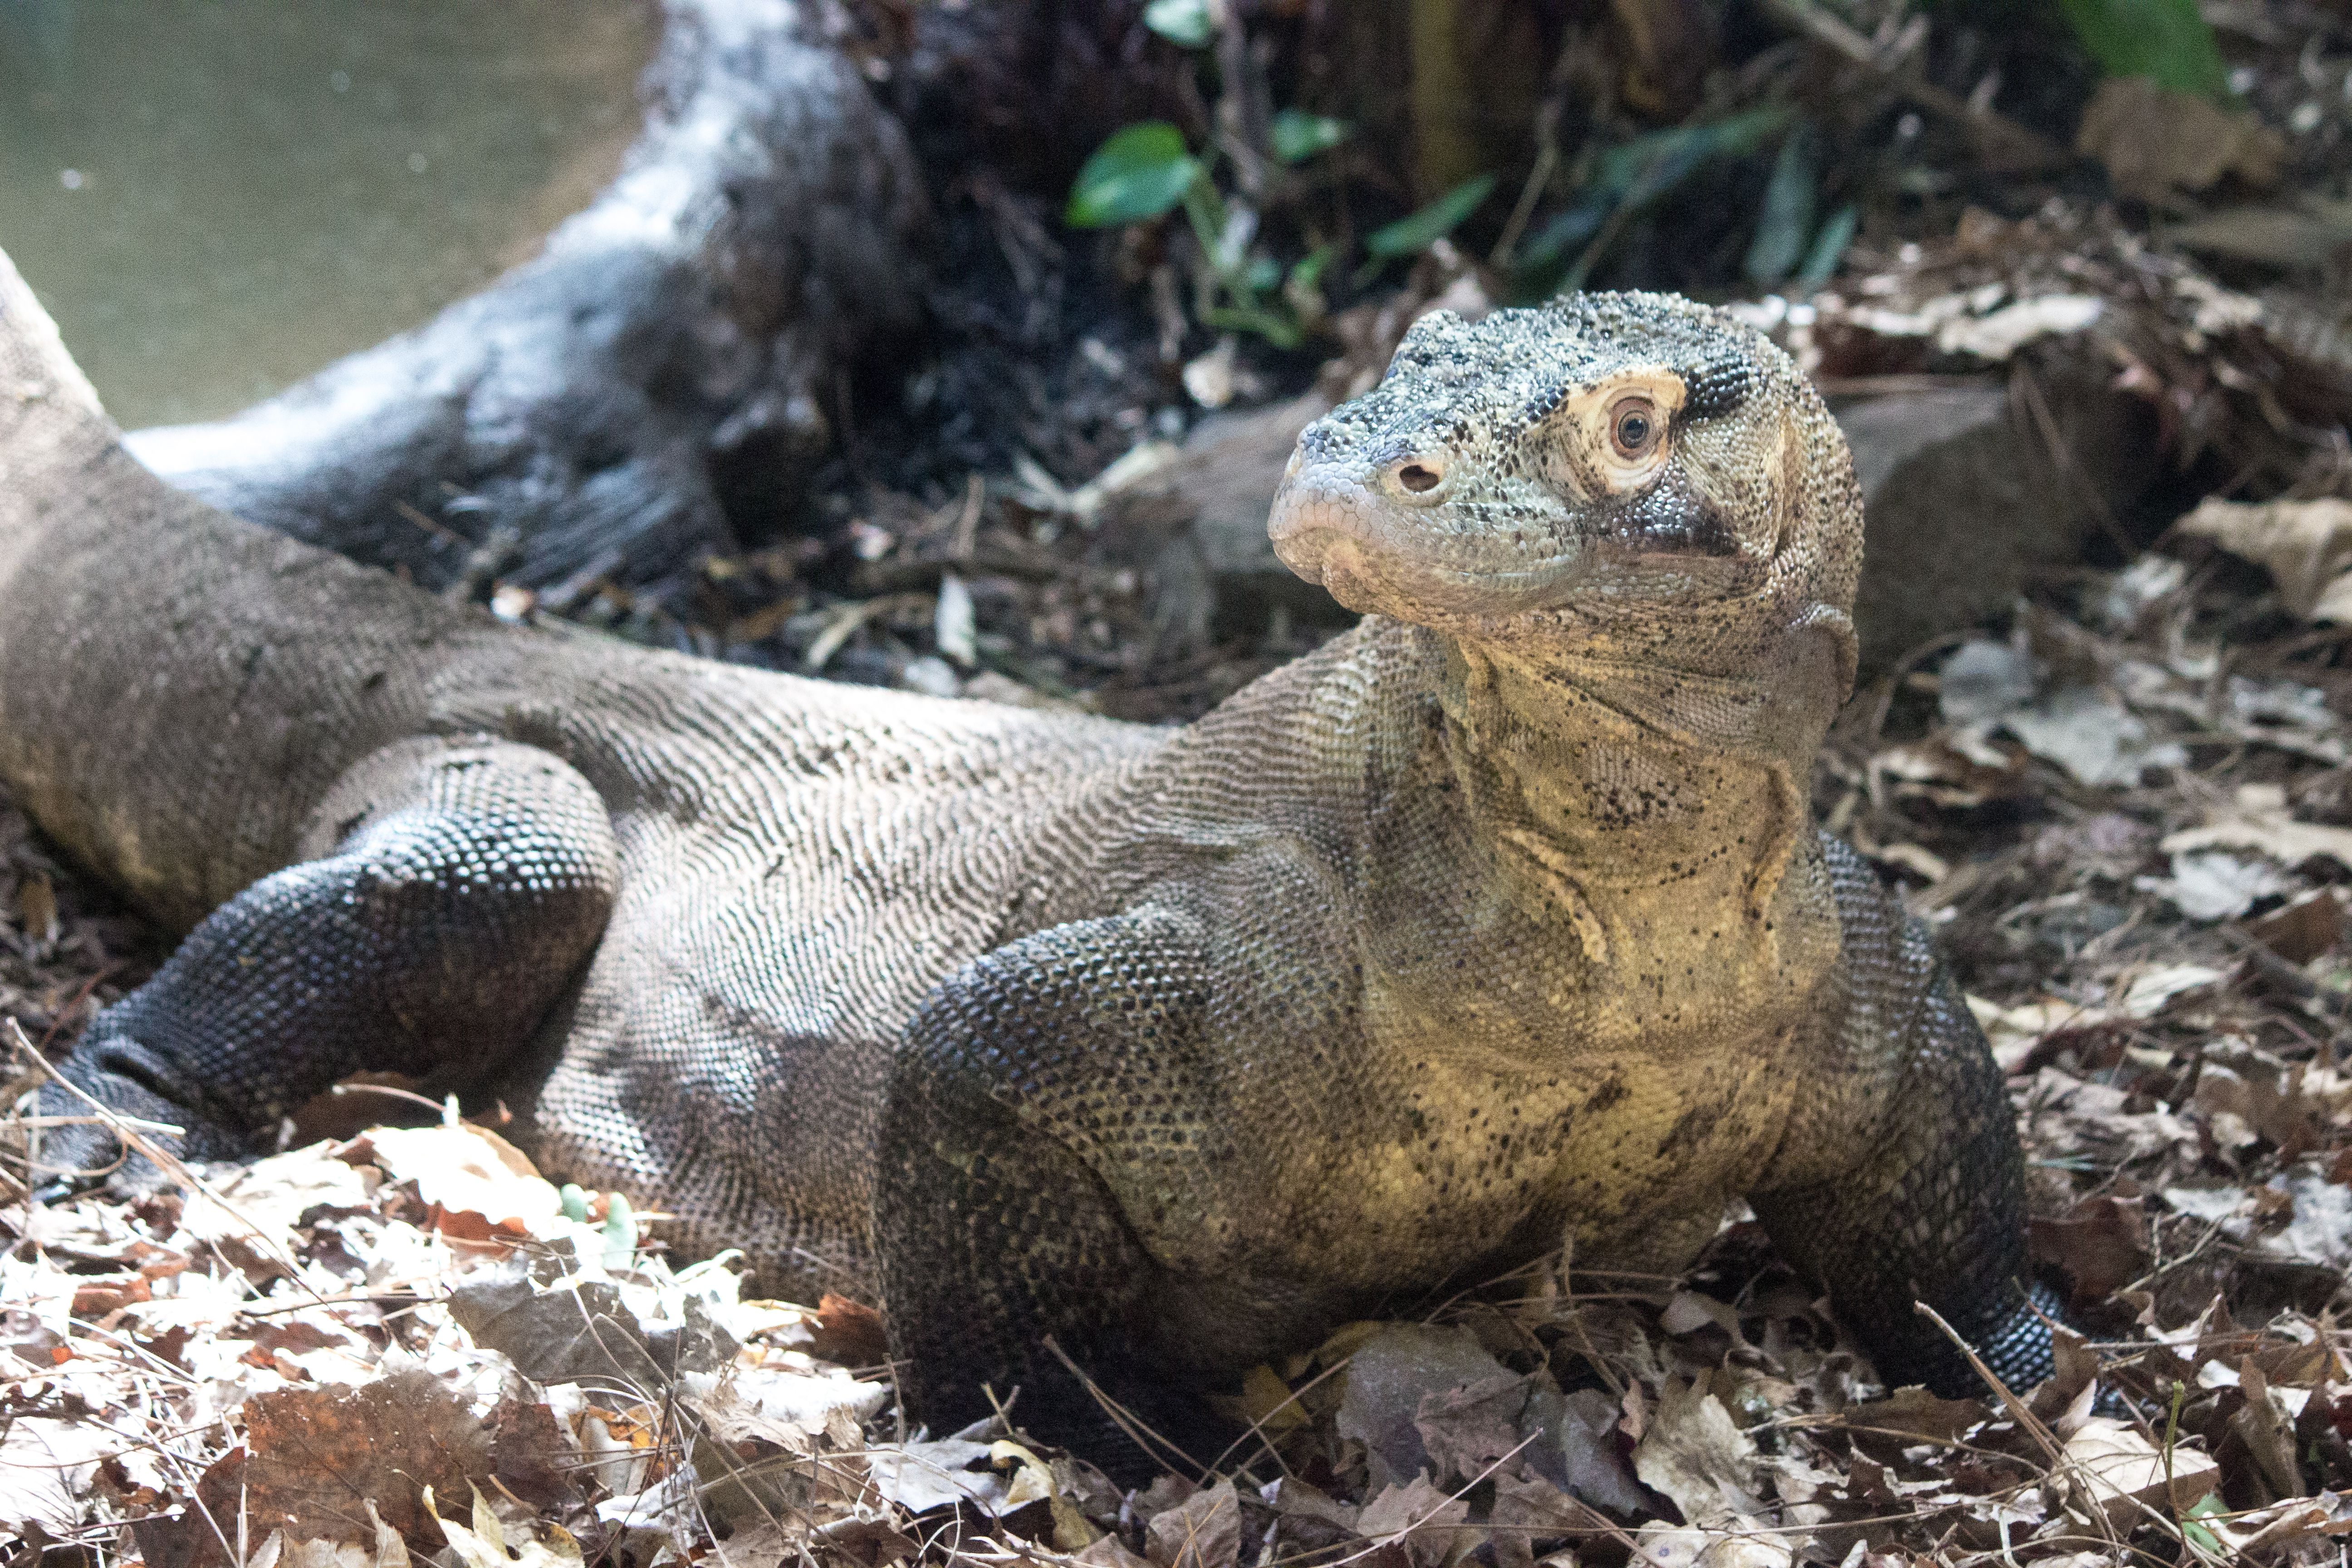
(656, 380)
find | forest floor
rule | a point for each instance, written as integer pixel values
(2129, 816)
(2124, 805)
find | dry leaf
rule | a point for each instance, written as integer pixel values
(1528, 1514)
(2302, 930)
(340, 1466)
(45, 1465)
(2155, 140)
(2306, 545)
(2103, 1244)
(850, 1332)
(920, 1477)
(2212, 886)
(488, 1545)
(1467, 1430)
(2257, 819)
(1416, 1517)
(2110, 1466)
(465, 1171)
(1391, 1371)
(2092, 736)
(1696, 1454)
(1205, 1530)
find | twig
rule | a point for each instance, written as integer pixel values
(2034, 1427)
(79, 997)
(1126, 1420)
(171, 1164)
(2029, 1423)
(2031, 148)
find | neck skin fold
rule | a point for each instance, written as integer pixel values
(1610, 792)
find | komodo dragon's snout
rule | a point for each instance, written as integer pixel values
(1497, 924)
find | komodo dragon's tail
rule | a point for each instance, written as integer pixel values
(177, 687)
(50, 418)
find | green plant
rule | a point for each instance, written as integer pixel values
(1616, 184)
(1412, 234)
(2169, 41)
(1146, 171)
(1142, 171)
(1788, 245)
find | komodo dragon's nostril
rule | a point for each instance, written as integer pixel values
(1421, 477)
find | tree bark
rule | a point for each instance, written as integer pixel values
(655, 383)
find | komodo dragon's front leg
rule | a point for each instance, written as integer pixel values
(1030, 1073)
(455, 890)
(1927, 1203)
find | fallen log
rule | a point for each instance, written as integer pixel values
(655, 383)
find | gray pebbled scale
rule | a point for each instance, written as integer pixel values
(1498, 924)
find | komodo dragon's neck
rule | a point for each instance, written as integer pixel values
(1611, 794)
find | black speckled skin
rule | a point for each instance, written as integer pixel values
(465, 885)
(1494, 924)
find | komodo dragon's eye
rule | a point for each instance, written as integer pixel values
(1634, 426)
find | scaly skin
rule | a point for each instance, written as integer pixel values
(1498, 923)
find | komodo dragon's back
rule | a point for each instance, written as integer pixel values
(189, 703)
(1498, 923)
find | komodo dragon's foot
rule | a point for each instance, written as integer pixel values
(462, 888)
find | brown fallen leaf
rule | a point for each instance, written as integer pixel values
(1467, 1430)
(1109, 1552)
(1205, 1530)
(484, 1185)
(2258, 820)
(2306, 545)
(1696, 1454)
(848, 1333)
(2156, 141)
(328, 1464)
(1416, 1517)
(2109, 1466)
(2103, 1244)
(1388, 1375)
(1529, 1515)
(2303, 929)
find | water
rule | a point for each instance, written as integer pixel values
(216, 198)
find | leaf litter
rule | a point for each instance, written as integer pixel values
(2126, 809)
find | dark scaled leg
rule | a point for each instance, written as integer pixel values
(460, 887)
(1933, 1211)
(994, 1224)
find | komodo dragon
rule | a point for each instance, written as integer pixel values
(1498, 922)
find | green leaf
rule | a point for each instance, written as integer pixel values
(1648, 166)
(1186, 22)
(1299, 135)
(620, 1234)
(1273, 327)
(2168, 40)
(1829, 249)
(1564, 232)
(1412, 234)
(1786, 220)
(1307, 271)
(1142, 171)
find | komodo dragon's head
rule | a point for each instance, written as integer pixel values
(1631, 469)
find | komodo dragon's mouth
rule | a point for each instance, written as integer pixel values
(1335, 531)
(1372, 553)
